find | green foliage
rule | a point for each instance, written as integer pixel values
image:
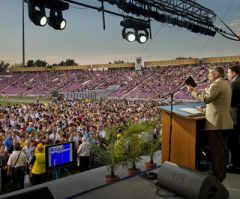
(40, 63)
(118, 62)
(132, 135)
(30, 63)
(113, 156)
(37, 63)
(68, 62)
(3, 66)
(153, 143)
(16, 65)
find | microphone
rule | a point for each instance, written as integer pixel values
(204, 80)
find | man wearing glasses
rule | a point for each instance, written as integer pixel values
(218, 120)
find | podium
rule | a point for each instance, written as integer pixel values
(184, 134)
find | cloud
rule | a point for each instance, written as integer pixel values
(238, 34)
(234, 23)
(230, 50)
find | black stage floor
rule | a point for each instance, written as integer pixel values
(133, 187)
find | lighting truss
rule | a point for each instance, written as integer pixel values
(183, 13)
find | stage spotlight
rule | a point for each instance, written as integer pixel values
(38, 17)
(136, 26)
(130, 36)
(142, 38)
(57, 22)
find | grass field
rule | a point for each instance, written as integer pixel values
(23, 98)
(4, 103)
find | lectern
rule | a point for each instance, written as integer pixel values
(184, 134)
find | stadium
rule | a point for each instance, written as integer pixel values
(163, 121)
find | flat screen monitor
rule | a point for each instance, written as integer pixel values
(59, 155)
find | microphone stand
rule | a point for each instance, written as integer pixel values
(171, 114)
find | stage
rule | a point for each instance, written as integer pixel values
(133, 187)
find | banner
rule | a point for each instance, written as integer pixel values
(28, 69)
(138, 65)
(71, 67)
(123, 65)
(221, 59)
(171, 62)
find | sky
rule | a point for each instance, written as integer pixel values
(85, 41)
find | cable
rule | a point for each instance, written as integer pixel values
(77, 8)
(150, 41)
(218, 26)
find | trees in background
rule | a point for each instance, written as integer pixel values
(3, 66)
(68, 62)
(42, 63)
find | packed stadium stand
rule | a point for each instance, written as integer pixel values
(148, 83)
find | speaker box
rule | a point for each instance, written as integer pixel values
(40, 193)
(189, 183)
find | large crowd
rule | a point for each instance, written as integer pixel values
(28, 128)
(148, 83)
(33, 125)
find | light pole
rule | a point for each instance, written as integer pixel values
(23, 41)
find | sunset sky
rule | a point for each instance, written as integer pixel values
(85, 41)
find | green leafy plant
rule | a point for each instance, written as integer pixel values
(153, 141)
(112, 155)
(132, 136)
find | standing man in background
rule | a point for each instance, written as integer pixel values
(218, 120)
(18, 162)
(37, 99)
(234, 135)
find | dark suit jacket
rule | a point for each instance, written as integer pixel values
(235, 104)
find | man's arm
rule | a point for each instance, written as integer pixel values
(8, 169)
(32, 161)
(211, 95)
(10, 151)
(79, 149)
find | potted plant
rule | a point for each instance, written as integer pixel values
(152, 144)
(132, 136)
(111, 154)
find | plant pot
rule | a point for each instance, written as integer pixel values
(131, 172)
(148, 165)
(109, 180)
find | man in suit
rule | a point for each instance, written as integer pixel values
(218, 119)
(234, 135)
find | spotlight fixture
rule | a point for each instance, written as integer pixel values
(57, 22)
(142, 38)
(38, 17)
(130, 36)
(136, 26)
